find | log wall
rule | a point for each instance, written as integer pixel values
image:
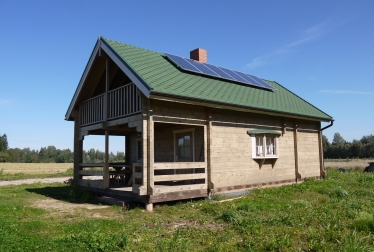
(231, 163)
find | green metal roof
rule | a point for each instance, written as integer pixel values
(263, 131)
(164, 79)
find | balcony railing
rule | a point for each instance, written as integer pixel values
(122, 101)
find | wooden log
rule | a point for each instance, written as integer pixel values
(91, 173)
(179, 177)
(179, 165)
(167, 189)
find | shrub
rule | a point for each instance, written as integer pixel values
(364, 222)
(231, 216)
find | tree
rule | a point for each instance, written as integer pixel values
(325, 143)
(338, 139)
(3, 143)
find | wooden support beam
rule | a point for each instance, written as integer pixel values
(78, 148)
(297, 174)
(143, 189)
(106, 165)
(207, 144)
(150, 149)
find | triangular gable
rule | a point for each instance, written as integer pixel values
(121, 63)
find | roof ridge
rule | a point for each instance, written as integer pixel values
(137, 47)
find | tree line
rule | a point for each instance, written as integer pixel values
(51, 154)
(339, 148)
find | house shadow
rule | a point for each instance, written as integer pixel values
(77, 195)
(69, 194)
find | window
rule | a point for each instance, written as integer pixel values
(184, 145)
(264, 143)
(259, 146)
(270, 146)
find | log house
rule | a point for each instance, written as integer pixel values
(189, 135)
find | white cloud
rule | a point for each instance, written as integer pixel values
(306, 36)
(346, 92)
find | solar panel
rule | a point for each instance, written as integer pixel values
(183, 63)
(202, 67)
(215, 71)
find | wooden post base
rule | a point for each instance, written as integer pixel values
(149, 207)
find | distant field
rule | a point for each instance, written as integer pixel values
(34, 168)
(347, 163)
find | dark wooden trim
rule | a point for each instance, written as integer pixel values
(297, 174)
(119, 194)
(163, 197)
(256, 185)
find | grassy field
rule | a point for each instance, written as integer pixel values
(12, 171)
(348, 163)
(335, 214)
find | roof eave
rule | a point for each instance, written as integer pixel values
(222, 105)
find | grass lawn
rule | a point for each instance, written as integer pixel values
(335, 214)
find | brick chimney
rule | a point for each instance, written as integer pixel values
(199, 54)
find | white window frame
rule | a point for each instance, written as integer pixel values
(263, 137)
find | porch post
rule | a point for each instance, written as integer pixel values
(150, 149)
(78, 147)
(106, 165)
(208, 147)
(106, 112)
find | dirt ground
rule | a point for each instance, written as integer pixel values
(32, 181)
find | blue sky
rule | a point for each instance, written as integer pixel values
(321, 50)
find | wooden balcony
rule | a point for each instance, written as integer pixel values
(121, 102)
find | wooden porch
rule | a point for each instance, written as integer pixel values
(160, 169)
(187, 176)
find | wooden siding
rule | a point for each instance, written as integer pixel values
(308, 150)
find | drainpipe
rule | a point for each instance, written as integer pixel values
(328, 126)
(323, 171)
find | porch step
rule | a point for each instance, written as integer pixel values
(123, 202)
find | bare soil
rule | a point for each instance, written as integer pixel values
(32, 181)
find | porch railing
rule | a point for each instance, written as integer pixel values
(92, 110)
(179, 176)
(122, 101)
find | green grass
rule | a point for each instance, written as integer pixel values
(335, 214)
